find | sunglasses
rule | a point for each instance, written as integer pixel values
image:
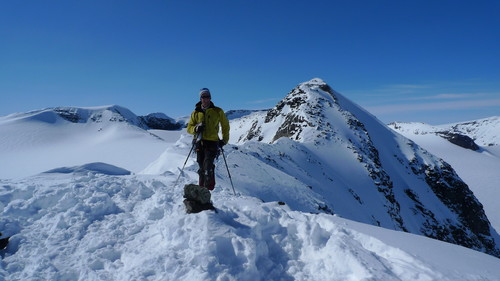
(205, 97)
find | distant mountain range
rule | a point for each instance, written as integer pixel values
(112, 113)
(470, 135)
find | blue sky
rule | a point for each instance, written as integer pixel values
(430, 61)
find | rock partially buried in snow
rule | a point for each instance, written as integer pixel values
(96, 167)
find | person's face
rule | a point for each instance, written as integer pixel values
(205, 100)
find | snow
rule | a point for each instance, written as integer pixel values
(35, 142)
(133, 227)
(479, 169)
(97, 201)
(97, 167)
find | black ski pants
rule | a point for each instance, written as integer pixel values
(206, 152)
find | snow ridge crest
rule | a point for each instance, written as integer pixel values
(100, 114)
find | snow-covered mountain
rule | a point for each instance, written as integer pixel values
(483, 132)
(112, 113)
(69, 136)
(315, 178)
(474, 153)
(360, 169)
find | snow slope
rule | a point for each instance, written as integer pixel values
(37, 141)
(479, 169)
(97, 226)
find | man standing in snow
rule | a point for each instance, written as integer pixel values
(205, 122)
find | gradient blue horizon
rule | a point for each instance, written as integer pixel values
(428, 61)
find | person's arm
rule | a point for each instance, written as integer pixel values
(225, 126)
(192, 124)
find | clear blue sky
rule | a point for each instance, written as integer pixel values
(430, 61)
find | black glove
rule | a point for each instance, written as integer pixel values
(221, 143)
(199, 128)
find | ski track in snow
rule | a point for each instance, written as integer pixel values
(103, 227)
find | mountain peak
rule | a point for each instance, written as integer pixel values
(314, 81)
(311, 113)
(298, 116)
(112, 113)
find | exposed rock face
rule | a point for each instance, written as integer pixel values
(160, 122)
(69, 114)
(455, 194)
(459, 139)
(473, 229)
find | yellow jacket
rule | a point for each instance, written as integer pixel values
(211, 118)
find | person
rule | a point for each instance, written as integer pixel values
(204, 123)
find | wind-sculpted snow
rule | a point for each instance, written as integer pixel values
(97, 167)
(101, 227)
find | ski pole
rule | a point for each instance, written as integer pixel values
(195, 141)
(227, 168)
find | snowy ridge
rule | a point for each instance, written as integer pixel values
(113, 113)
(100, 114)
(485, 132)
(97, 227)
(238, 114)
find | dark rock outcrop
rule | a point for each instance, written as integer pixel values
(160, 122)
(459, 139)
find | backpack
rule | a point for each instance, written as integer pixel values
(197, 198)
